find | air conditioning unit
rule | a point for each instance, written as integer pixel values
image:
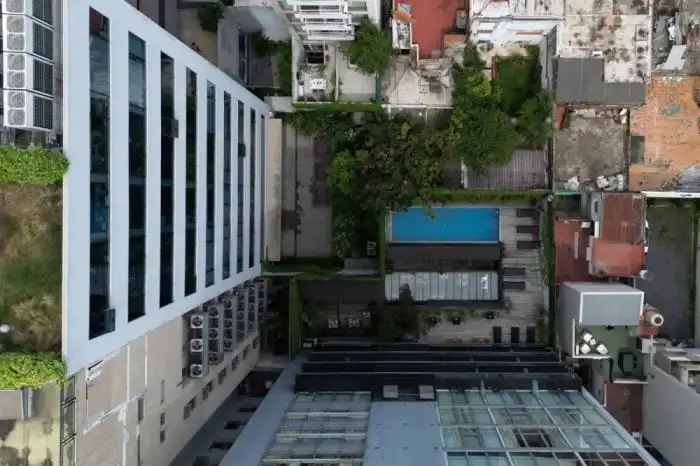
(214, 310)
(197, 321)
(27, 111)
(214, 358)
(23, 34)
(240, 335)
(40, 9)
(240, 315)
(228, 344)
(228, 323)
(196, 345)
(213, 333)
(27, 73)
(197, 371)
(227, 303)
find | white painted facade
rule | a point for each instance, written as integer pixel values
(79, 350)
(331, 20)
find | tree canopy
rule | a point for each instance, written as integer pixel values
(389, 166)
(479, 133)
(371, 51)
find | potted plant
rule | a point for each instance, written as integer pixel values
(432, 317)
(457, 316)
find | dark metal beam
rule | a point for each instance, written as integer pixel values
(359, 347)
(430, 367)
(409, 356)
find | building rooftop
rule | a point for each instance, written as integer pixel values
(570, 251)
(668, 124)
(618, 30)
(527, 169)
(430, 21)
(589, 143)
(581, 81)
(451, 426)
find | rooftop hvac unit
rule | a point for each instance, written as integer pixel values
(197, 321)
(22, 34)
(27, 110)
(228, 344)
(196, 345)
(39, 9)
(27, 73)
(197, 371)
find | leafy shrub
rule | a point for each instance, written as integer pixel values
(210, 15)
(30, 370)
(488, 196)
(32, 165)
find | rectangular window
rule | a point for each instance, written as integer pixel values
(207, 390)
(251, 217)
(234, 364)
(162, 392)
(140, 408)
(167, 164)
(102, 319)
(191, 191)
(226, 250)
(162, 436)
(137, 177)
(211, 184)
(246, 351)
(241, 184)
(263, 174)
(222, 375)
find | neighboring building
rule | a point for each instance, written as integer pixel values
(403, 404)
(163, 229)
(672, 404)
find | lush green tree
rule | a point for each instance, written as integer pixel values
(534, 122)
(335, 126)
(372, 50)
(479, 133)
(391, 165)
(517, 80)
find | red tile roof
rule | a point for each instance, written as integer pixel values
(616, 259)
(623, 218)
(570, 241)
(431, 18)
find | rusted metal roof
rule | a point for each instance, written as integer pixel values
(610, 259)
(625, 403)
(623, 218)
(570, 240)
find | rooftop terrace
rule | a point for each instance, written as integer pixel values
(618, 30)
(430, 20)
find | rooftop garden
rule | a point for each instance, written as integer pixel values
(30, 265)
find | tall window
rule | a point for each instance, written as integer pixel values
(251, 217)
(101, 315)
(263, 174)
(167, 164)
(211, 177)
(137, 177)
(191, 190)
(226, 250)
(241, 185)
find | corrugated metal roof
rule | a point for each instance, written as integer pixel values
(581, 81)
(527, 169)
(448, 286)
(347, 291)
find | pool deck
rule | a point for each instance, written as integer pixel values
(524, 304)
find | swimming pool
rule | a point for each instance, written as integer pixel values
(451, 224)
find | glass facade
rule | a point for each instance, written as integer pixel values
(191, 189)
(211, 184)
(101, 316)
(251, 217)
(167, 171)
(241, 185)
(137, 177)
(226, 249)
(263, 175)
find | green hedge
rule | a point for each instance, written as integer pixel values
(371, 107)
(31, 165)
(30, 370)
(382, 245)
(295, 311)
(488, 196)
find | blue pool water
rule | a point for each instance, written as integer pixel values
(453, 224)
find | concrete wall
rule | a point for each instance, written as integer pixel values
(568, 307)
(672, 418)
(149, 368)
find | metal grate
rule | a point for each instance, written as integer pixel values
(43, 77)
(43, 41)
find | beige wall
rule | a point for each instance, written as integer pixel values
(107, 425)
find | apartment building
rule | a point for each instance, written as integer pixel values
(163, 228)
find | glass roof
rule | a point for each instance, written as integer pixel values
(483, 428)
(323, 429)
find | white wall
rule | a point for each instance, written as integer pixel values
(78, 351)
(672, 418)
